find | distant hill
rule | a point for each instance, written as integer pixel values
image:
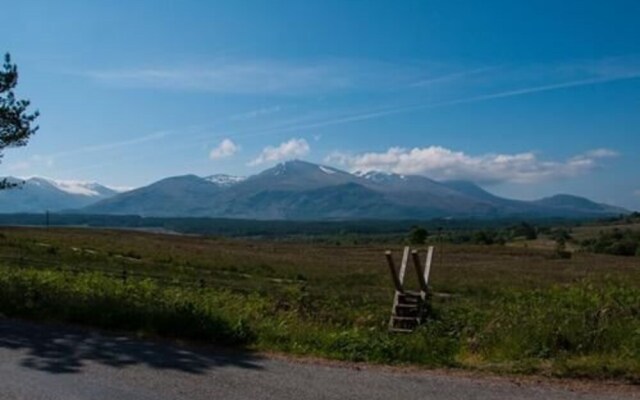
(570, 203)
(298, 190)
(37, 195)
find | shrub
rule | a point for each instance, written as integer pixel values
(615, 242)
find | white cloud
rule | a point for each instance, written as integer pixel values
(445, 164)
(286, 150)
(226, 148)
(601, 153)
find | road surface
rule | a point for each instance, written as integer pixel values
(39, 362)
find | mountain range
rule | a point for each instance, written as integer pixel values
(36, 195)
(294, 190)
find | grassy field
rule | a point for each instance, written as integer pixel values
(499, 308)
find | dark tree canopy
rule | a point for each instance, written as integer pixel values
(418, 235)
(16, 124)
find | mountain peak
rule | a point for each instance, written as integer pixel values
(298, 167)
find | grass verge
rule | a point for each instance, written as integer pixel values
(574, 330)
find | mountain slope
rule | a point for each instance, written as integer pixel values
(37, 195)
(574, 203)
(176, 196)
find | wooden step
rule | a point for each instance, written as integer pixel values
(400, 330)
(403, 322)
(408, 306)
(408, 299)
(402, 310)
(401, 318)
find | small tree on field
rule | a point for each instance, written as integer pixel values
(525, 230)
(418, 235)
(15, 122)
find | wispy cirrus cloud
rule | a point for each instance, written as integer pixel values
(451, 76)
(152, 137)
(507, 84)
(387, 111)
(283, 77)
(480, 84)
(292, 148)
(257, 113)
(445, 164)
(255, 76)
(276, 77)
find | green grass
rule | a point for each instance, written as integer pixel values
(507, 310)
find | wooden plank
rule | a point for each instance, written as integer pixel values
(394, 275)
(403, 266)
(416, 264)
(427, 267)
(393, 309)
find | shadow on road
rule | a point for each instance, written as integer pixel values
(59, 349)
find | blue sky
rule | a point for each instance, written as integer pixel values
(526, 98)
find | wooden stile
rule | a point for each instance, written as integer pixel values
(409, 307)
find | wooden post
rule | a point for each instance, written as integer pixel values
(394, 276)
(416, 264)
(403, 266)
(427, 266)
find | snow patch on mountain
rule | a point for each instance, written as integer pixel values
(223, 180)
(82, 188)
(379, 176)
(327, 170)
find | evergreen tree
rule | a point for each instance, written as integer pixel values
(15, 122)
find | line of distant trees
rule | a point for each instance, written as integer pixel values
(486, 236)
(621, 242)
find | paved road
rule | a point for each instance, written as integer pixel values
(39, 362)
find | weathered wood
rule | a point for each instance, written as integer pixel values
(409, 307)
(394, 274)
(403, 266)
(427, 266)
(416, 264)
